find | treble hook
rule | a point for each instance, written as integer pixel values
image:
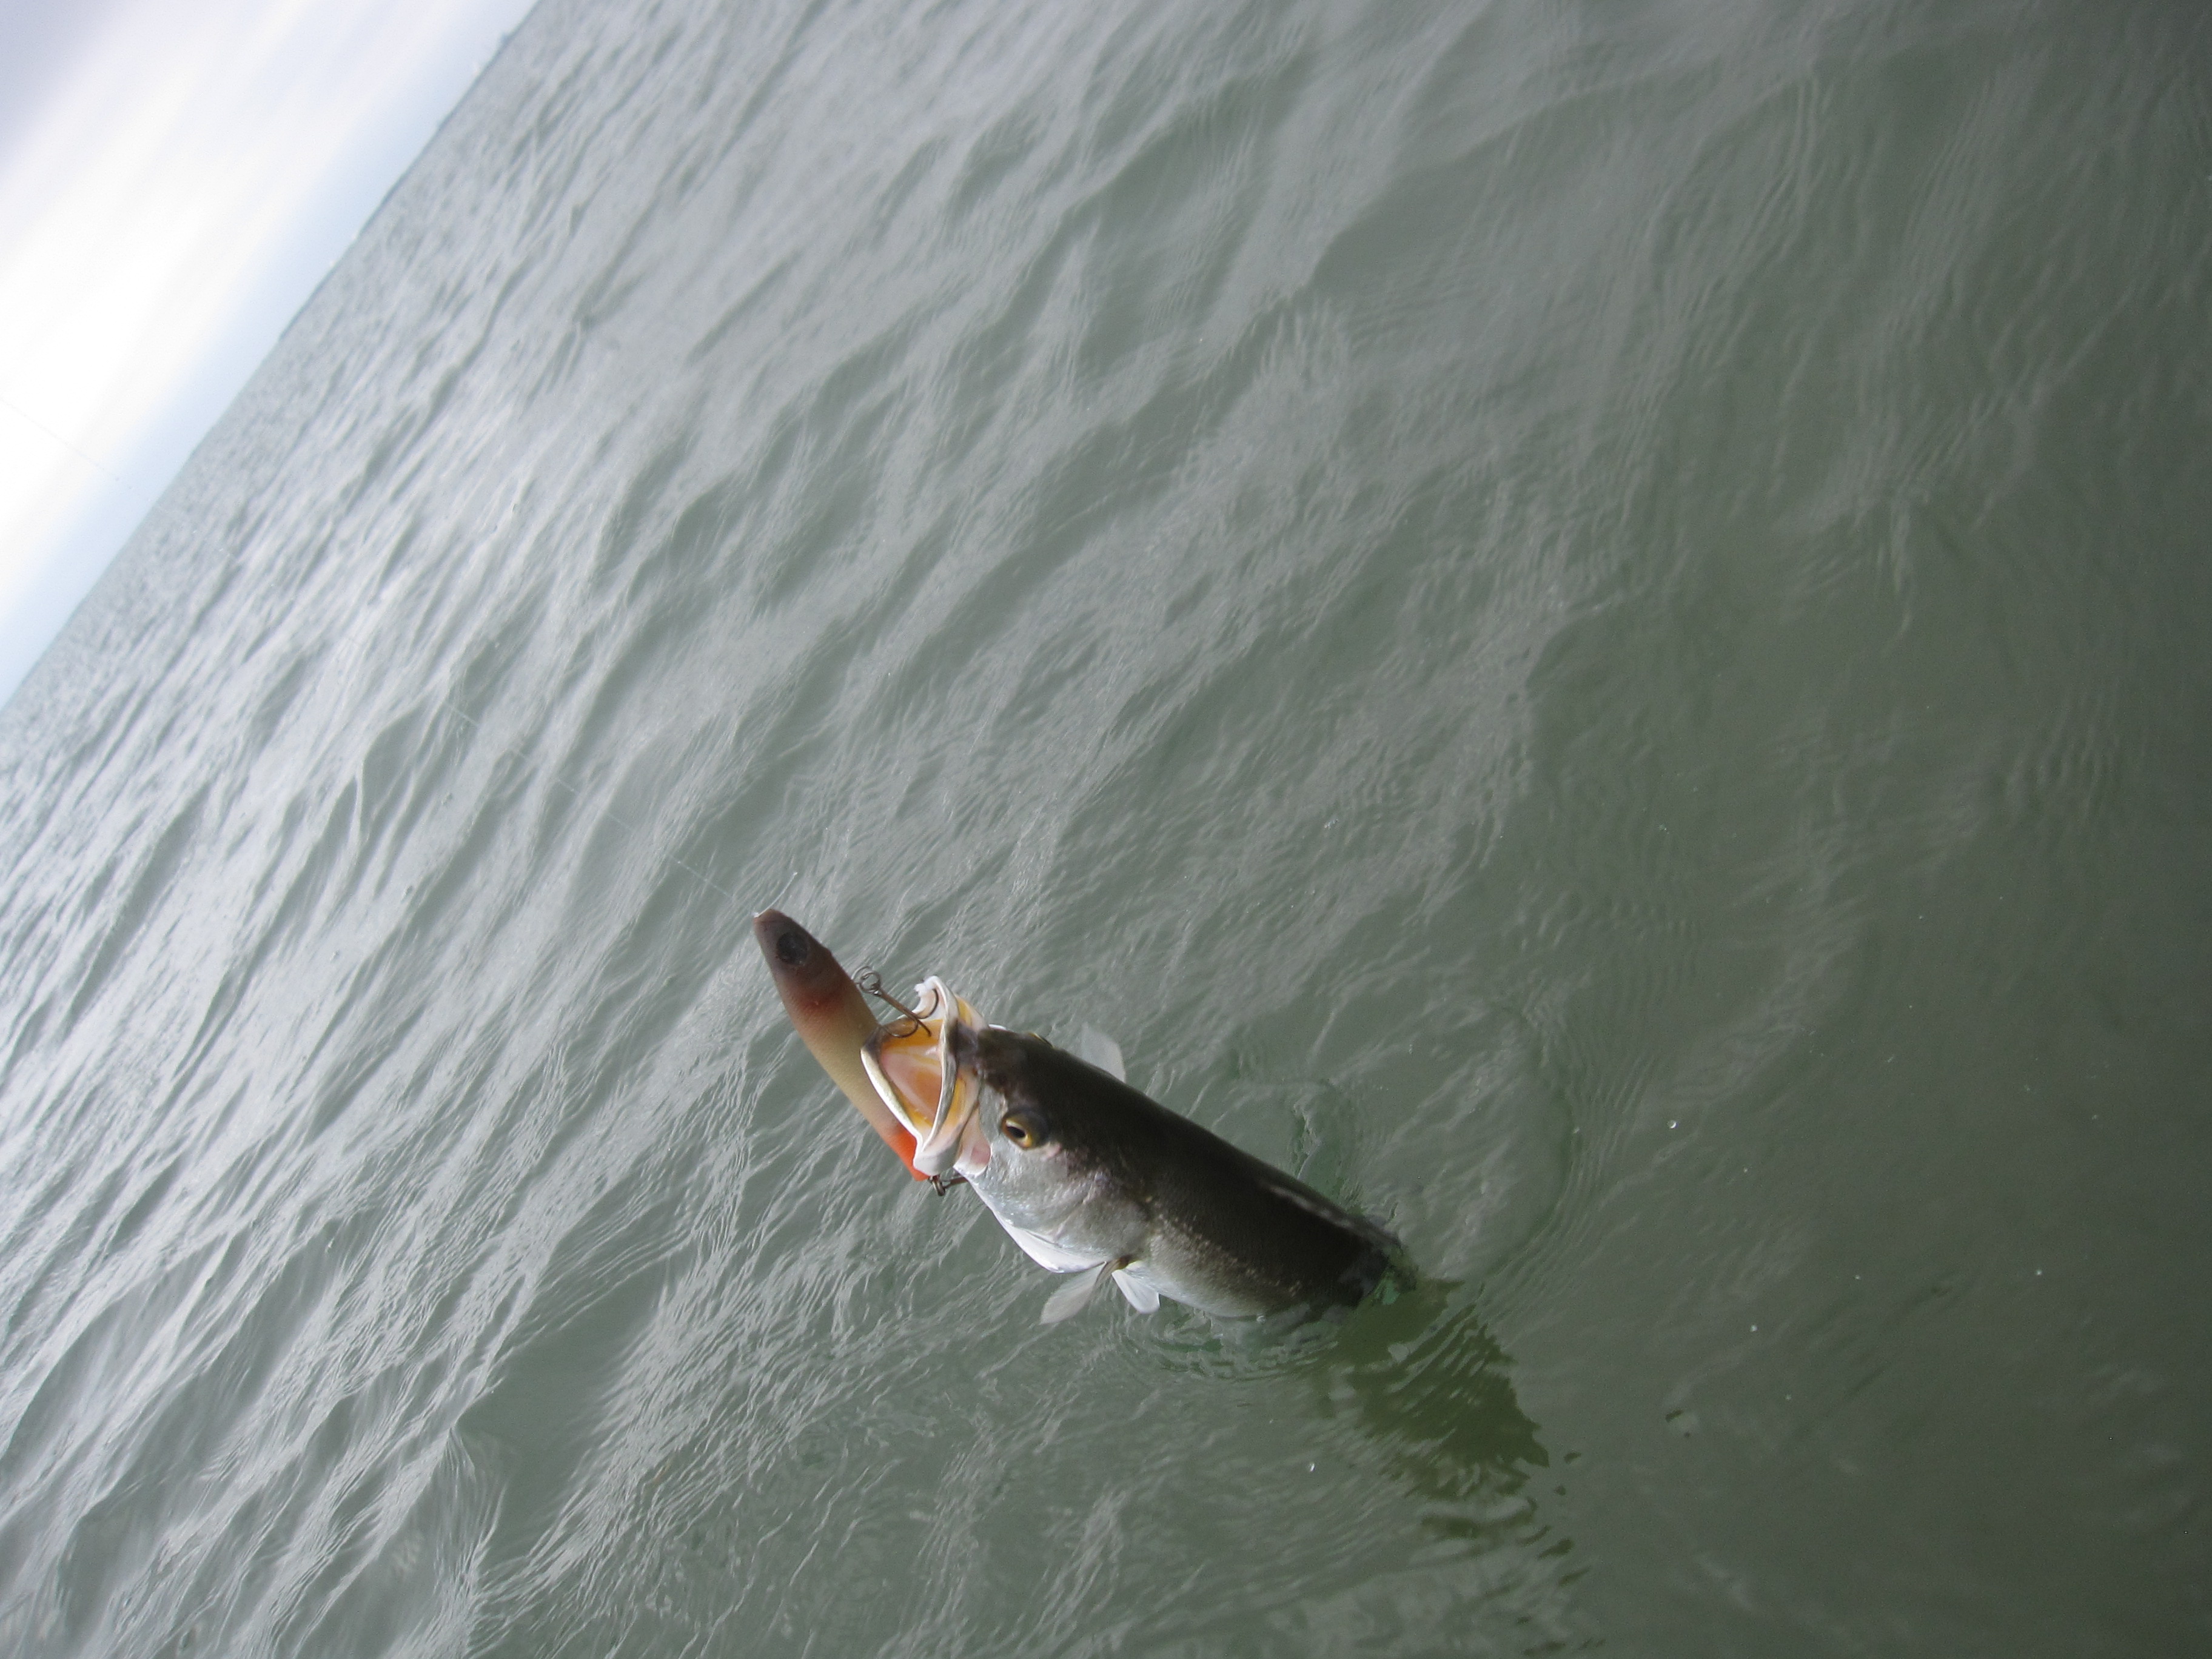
(872, 984)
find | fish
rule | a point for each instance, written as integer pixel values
(832, 1020)
(1094, 1179)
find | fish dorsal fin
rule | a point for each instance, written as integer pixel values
(1095, 1047)
(1143, 1298)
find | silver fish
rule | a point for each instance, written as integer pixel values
(1092, 1178)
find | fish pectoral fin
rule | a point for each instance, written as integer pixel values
(1072, 1297)
(1143, 1298)
(1094, 1048)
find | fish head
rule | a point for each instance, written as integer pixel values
(969, 1101)
(913, 1065)
(1032, 1129)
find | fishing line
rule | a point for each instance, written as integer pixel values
(474, 725)
(63, 441)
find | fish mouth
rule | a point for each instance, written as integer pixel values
(912, 1064)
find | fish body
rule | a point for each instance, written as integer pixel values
(1091, 1173)
(1090, 1177)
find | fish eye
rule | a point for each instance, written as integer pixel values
(1024, 1128)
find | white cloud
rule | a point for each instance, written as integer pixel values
(162, 182)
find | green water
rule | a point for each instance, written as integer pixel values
(1584, 624)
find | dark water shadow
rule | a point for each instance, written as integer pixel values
(1420, 1375)
(1419, 1380)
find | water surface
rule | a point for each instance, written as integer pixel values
(1583, 623)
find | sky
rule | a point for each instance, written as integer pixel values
(174, 181)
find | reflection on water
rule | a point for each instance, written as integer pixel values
(1417, 1376)
(1427, 1382)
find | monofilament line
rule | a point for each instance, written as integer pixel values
(700, 876)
